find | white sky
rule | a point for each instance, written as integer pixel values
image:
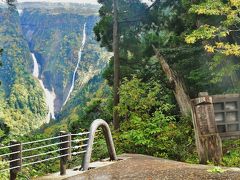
(76, 1)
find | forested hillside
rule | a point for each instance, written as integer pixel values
(154, 40)
(133, 64)
(55, 37)
(21, 96)
(145, 32)
(53, 34)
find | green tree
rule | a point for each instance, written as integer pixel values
(116, 120)
(11, 2)
(218, 30)
(117, 22)
(4, 129)
(215, 34)
(149, 126)
(163, 25)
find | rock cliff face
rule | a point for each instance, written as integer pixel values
(53, 33)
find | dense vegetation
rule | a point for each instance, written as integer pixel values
(151, 121)
(21, 98)
(55, 37)
(199, 41)
(23, 106)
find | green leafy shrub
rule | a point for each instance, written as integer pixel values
(216, 170)
(4, 175)
(231, 151)
(98, 107)
(159, 136)
(150, 126)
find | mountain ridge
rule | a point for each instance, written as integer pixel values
(55, 39)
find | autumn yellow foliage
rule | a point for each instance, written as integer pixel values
(215, 35)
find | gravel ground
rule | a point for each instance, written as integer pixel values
(138, 167)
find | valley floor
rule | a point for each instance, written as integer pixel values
(138, 167)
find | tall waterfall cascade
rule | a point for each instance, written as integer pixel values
(77, 66)
(20, 11)
(49, 95)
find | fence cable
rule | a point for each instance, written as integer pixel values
(3, 147)
(7, 154)
(80, 140)
(8, 169)
(40, 161)
(42, 154)
(80, 134)
(47, 139)
(76, 153)
(40, 147)
(13, 160)
(46, 153)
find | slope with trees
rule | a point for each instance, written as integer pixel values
(156, 63)
(21, 97)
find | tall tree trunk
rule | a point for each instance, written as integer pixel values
(116, 120)
(179, 89)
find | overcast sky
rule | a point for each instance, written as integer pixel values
(76, 1)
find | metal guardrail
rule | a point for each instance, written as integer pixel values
(108, 137)
(20, 156)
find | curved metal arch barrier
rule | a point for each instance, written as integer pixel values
(109, 140)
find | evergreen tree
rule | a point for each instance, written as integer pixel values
(162, 25)
(116, 121)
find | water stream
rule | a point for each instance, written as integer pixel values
(49, 95)
(76, 68)
(20, 11)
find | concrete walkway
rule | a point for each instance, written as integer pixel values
(141, 167)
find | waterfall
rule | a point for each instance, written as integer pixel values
(20, 12)
(49, 95)
(35, 67)
(76, 68)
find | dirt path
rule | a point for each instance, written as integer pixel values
(140, 167)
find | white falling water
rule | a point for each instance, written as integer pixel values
(20, 12)
(35, 67)
(49, 95)
(76, 68)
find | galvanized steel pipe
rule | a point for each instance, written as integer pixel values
(109, 140)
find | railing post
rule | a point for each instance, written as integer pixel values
(69, 146)
(83, 155)
(18, 156)
(67, 152)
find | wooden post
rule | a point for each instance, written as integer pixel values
(208, 141)
(18, 156)
(64, 159)
(83, 155)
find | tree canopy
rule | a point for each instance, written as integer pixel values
(223, 35)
